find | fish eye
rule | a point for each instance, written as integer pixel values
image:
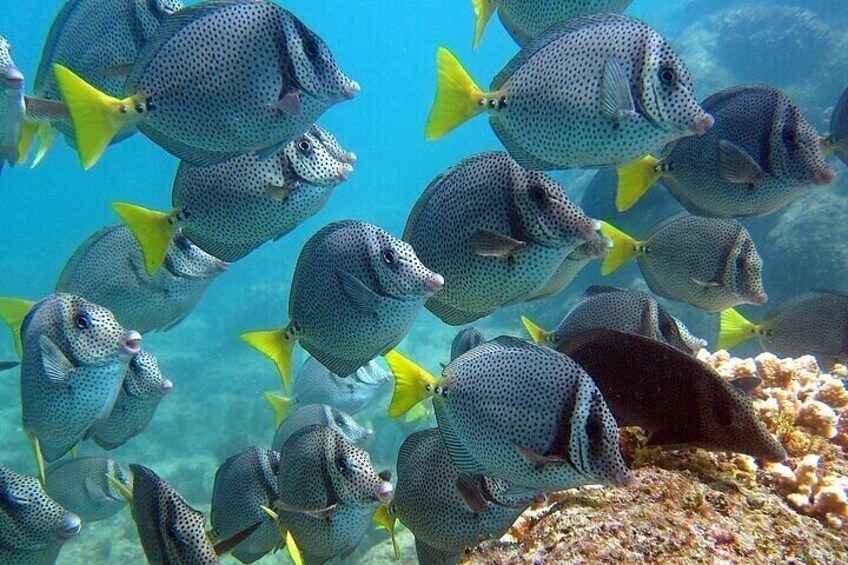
(789, 137)
(304, 146)
(537, 194)
(389, 257)
(83, 321)
(343, 464)
(667, 75)
(594, 428)
(134, 363)
(310, 48)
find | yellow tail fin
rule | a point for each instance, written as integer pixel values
(281, 405)
(457, 96)
(97, 117)
(46, 137)
(483, 10)
(735, 329)
(384, 520)
(276, 344)
(538, 334)
(28, 132)
(153, 230)
(634, 180)
(417, 412)
(624, 248)
(13, 311)
(412, 384)
(35, 444)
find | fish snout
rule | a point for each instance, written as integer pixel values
(824, 176)
(759, 299)
(13, 77)
(434, 283)
(701, 123)
(69, 526)
(343, 172)
(165, 387)
(349, 158)
(222, 265)
(132, 342)
(384, 492)
(350, 90)
(589, 229)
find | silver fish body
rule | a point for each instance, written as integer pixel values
(497, 233)
(315, 384)
(108, 269)
(525, 20)
(322, 415)
(525, 414)
(75, 357)
(328, 493)
(235, 206)
(33, 526)
(595, 91)
(355, 292)
(243, 483)
(143, 389)
(80, 485)
(291, 79)
(760, 155)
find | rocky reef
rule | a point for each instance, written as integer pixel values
(694, 506)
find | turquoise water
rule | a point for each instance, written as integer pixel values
(216, 407)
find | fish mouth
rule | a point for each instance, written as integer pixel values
(824, 176)
(759, 299)
(165, 387)
(69, 526)
(343, 172)
(132, 342)
(350, 90)
(434, 283)
(700, 124)
(349, 158)
(12, 77)
(384, 492)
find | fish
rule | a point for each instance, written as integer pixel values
(596, 247)
(266, 198)
(33, 526)
(677, 399)
(710, 263)
(837, 141)
(760, 155)
(108, 268)
(144, 387)
(431, 500)
(243, 484)
(466, 340)
(331, 144)
(315, 384)
(328, 493)
(67, 340)
(355, 292)
(6, 365)
(320, 414)
(811, 323)
(519, 412)
(622, 309)
(98, 40)
(270, 85)
(526, 19)
(596, 91)
(496, 232)
(81, 485)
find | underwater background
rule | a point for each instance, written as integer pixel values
(217, 407)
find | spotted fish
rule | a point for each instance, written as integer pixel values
(81, 485)
(143, 389)
(710, 263)
(108, 269)
(33, 527)
(75, 356)
(243, 484)
(355, 292)
(812, 323)
(317, 414)
(431, 500)
(622, 309)
(315, 384)
(677, 399)
(328, 493)
(519, 412)
(12, 106)
(595, 247)
(837, 141)
(270, 85)
(331, 144)
(526, 19)
(497, 233)
(232, 208)
(596, 91)
(761, 155)
(98, 40)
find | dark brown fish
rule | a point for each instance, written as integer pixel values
(678, 400)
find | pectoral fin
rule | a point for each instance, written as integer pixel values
(736, 165)
(315, 513)
(538, 460)
(466, 486)
(289, 102)
(705, 284)
(490, 244)
(616, 97)
(57, 368)
(360, 296)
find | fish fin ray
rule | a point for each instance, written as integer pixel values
(736, 165)
(634, 180)
(153, 231)
(450, 315)
(483, 10)
(516, 151)
(623, 248)
(490, 244)
(412, 384)
(457, 97)
(281, 405)
(734, 329)
(387, 522)
(13, 311)
(56, 366)
(468, 489)
(459, 454)
(539, 335)
(362, 298)
(616, 97)
(276, 345)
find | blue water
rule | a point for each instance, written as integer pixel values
(389, 48)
